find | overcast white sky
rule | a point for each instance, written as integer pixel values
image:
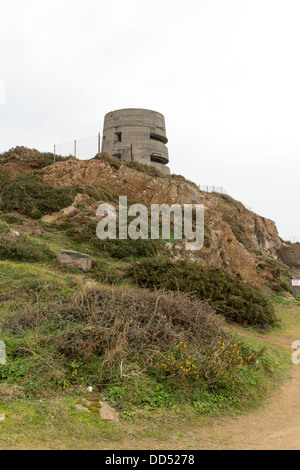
(225, 73)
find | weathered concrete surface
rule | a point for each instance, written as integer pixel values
(73, 259)
(137, 135)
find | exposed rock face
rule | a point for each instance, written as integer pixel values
(123, 181)
(15, 168)
(236, 238)
(290, 254)
(73, 259)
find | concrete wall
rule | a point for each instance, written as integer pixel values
(137, 135)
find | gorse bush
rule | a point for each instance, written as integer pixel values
(116, 327)
(123, 323)
(212, 364)
(237, 300)
(18, 247)
(122, 249)
(28, 194)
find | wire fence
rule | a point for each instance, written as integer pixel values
(219, 190)
(83, 149)
(213, 189)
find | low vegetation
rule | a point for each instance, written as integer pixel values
(28, 194)
(18, 247)
(235, 299)
(169, 350)
(33, 157)
(85, 233)
(116, 163)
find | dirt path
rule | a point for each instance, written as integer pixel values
(274, 426)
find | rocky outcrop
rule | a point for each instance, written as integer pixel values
(136, 185)
(289, 253)
(236, 238)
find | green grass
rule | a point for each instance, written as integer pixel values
(53, 423)
(22, 280)
(20, 247)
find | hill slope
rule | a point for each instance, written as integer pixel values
(236, 238)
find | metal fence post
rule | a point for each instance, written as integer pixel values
(54, 153)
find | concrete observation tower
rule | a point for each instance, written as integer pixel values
(137, 135)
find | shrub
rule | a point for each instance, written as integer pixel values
(237, 300)
(122, 249)
(36, 214)
(3, 179)
(29, 193)
(134, 322)
(105, 272)
(118, 326)
(118, 249)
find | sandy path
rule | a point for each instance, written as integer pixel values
(274, 426)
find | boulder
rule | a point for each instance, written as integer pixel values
(108, 413)
(73, 259)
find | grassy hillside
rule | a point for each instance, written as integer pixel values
(140, 349)
(154, 337)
